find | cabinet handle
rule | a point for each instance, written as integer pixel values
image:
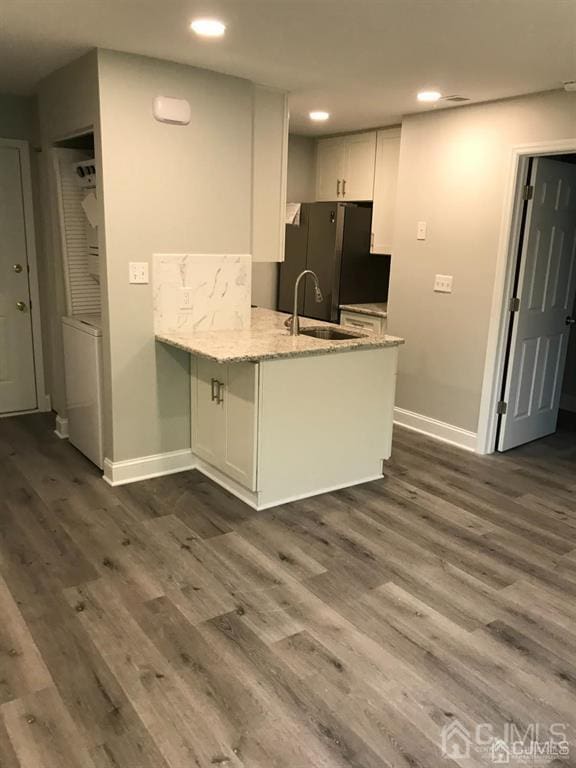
(371, 239)
(338, 188)
(213, 383)
(220, 397)
(343, 187)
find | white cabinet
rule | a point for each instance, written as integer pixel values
(269, 162)
(385, 181)
(224, 417)
(329, 169)
(271, 431)
(360, 321)
(360, 159)
(345, 167)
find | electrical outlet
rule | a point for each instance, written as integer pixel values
(421, 230)
(138, 272)
(443, 283)
(186, 298)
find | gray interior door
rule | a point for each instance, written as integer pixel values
(17, 374)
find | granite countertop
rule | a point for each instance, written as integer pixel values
(376, 309)
(268, 339)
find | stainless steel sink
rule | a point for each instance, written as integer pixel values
(330, 334)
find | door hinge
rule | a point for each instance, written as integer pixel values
(528, 192)
(501, 408)
(514, 304)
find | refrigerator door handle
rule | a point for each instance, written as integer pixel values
(338, 188)
(343, 187)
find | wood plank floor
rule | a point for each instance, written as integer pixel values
(167, 625)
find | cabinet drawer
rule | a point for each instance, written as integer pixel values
(363, 322)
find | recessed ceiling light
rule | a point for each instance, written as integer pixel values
(208, 27)
(319, 116)
(429, 96)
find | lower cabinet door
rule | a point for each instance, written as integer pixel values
(240, 403)
(225, 417)
(208, 412)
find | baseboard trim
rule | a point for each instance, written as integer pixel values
(319, 492)
(61, 429)
(440, 430)
(244, 494)
(568, 403)
(146, 467)
(255, 499)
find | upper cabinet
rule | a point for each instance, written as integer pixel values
(269, 170)
(345, 167)
(385, 181)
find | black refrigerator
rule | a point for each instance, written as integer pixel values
(332, 239)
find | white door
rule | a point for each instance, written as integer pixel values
(208, 414)
(360, 161)
(329, 169)
(17, 376)
(547, 282)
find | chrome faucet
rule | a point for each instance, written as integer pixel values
(293, 322)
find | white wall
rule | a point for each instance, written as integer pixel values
(453, 173)
(165, 189)
(300, 189)
(18, 117)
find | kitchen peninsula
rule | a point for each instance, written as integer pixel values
(277, 417)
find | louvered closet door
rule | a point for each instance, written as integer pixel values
(17, 376)
(82, 290)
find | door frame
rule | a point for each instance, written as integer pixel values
(43, 398)
(504, 282)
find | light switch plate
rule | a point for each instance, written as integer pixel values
(138, 272)
(443, 283)
(421, 230)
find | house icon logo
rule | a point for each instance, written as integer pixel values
(500, 752)
(456, 741)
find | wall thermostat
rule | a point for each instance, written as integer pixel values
(173, 111)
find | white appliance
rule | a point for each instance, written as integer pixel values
(86, 178)
(83, 371)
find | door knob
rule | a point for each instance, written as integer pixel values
(570, 320)
(21, 306)
(17, 268)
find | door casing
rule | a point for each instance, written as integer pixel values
(504, 283)
(25, 165)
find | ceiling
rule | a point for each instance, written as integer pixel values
(362, 60)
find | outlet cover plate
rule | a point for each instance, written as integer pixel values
(138, 273)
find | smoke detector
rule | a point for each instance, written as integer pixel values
(569, 85)
(455, 98)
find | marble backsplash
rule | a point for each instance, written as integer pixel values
(196, 292)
